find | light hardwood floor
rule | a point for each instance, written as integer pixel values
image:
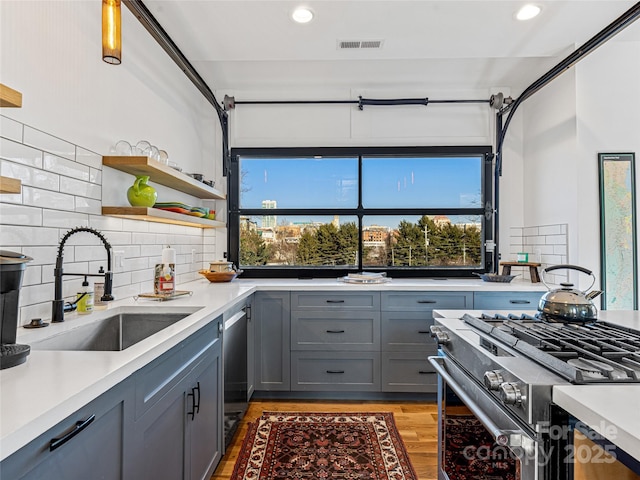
(417, 423)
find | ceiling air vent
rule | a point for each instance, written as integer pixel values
(352, 44)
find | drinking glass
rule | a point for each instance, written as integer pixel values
(123, 148)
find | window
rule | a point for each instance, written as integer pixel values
(325, 212)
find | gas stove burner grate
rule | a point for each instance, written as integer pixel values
(581, 352)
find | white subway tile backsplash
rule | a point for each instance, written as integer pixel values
(64, 219)
(32, 275)
(105, 223)
(95, 176)
(80, 188)
(555, 240)
(19, 153)
(30, 175)
(141, 276)
(11, 235)
(49, 143)
(10, 128)
(529, 231)
(29, 312)
(20, 215)
(66, 167)
(46, 198)
(550, 230)
(90, 253)
(88, 205)
(62, 189)
(144, 238)
(30, 294)
(88, 158)
(41, 255)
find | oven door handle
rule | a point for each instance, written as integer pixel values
(508, 438)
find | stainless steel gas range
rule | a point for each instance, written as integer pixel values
(497, 371)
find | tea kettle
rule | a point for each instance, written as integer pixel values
(567, 303)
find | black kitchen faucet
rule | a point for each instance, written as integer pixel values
(59, 307)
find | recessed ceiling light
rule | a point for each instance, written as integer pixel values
(302, 15)
(528, 12)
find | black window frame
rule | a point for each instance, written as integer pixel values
(485, 210)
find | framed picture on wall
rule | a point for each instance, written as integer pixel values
(618, 252)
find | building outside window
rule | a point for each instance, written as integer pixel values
(406, 211)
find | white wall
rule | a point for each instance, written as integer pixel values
(592, 108)
(75, 107)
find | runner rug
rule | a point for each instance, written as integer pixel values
(323, 446)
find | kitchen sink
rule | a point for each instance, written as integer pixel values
(114, 333)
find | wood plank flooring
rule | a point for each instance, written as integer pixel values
(417, 423)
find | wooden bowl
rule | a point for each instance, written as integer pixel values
(219, 276)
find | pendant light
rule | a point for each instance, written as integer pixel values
(111, 30)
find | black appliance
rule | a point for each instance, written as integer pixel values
(12, 266)
(234, 348)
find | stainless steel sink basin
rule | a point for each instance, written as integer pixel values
(113, 333)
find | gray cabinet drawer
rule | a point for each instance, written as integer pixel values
(408, 372)
(335, 300)
(335, 330)
(406, 331)
(329, 371)
(506, 300)
(157, 378)
(425, 301)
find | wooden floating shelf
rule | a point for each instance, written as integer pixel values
(10, 185)
(161, 216)
(162, 174)
(10, 97)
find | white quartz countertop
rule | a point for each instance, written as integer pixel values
(612, 410)
(51, 385)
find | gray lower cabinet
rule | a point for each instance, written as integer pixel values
(164, 421)
(506, 300)
(335, 341)
(271, 315)
(178, 428)
(335, 371)
(406, 337)
(91, 443)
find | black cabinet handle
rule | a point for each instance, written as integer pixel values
(196, 403)
(80, 426)
(519, 302)
(335, 331)
(335, 301)
(335, 371)
(425, 331)
(424, 372)
(193, 404)
(427, 301)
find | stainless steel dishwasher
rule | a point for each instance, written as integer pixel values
(235, 373)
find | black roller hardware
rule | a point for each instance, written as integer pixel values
(79, 426)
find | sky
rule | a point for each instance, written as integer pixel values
(387, 182)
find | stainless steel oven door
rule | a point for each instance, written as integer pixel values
(468, 417)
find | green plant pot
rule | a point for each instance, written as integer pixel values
(140, 194)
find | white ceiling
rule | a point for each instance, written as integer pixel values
(427, 45)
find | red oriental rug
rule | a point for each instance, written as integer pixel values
(343, 446)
